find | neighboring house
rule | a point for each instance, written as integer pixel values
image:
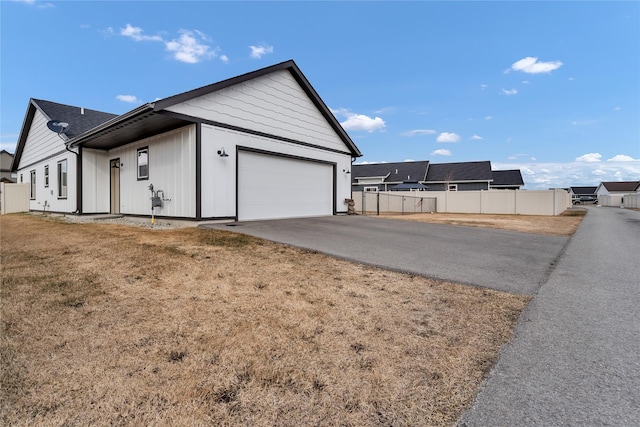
(423, 175)
(257, 146)
(6, 159)
(507, 180)
(384, 176)
(463, 176)
(617, 188)
(577, 192)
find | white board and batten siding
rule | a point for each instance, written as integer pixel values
(45, 148)
(95, 181)
(282, 187)
(172, 166)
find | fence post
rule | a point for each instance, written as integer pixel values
(364, 203)
(378, 203)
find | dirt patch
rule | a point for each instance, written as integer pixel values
(562, 225)
(112, 324)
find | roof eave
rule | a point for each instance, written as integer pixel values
(78, 140)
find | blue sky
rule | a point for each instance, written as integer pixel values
(551, 88)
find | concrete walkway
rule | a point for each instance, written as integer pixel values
(575, 359)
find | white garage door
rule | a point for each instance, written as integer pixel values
(271, 187)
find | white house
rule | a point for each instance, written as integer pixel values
(257, 146)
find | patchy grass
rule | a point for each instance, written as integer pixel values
(110, 324)
(562, 225)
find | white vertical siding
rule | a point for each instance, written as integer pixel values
(95, 181)
(274, 104)
(172, 168)
(219, 173)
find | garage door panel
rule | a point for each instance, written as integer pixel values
(272, 187)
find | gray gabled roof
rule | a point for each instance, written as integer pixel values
(621, 186)
(393, 172)
(462, 171)
(153, 116)
(590, 190)
(507, 178)
(79, 119)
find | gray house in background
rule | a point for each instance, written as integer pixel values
(507, 180)
(463, 176)
(384, 176)
(6, 159)
(424, 175)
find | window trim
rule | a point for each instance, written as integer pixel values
(63, 184)
(371, 189)
(138, 151)
(46, 176)
(32, 184)
(452, 187)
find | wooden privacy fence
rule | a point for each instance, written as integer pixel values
(513, 202)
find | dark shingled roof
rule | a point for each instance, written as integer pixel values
(78, 123)
(629, 186)
(463, 171)
(507, 178)
(584, 190)
(398, 171)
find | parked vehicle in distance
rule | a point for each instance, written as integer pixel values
(585, 199)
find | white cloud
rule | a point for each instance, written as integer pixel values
(589, 157)
(440, 152)
(489, 118)
(483, 86)
(135, 33)
(509, 91)
(617, 108)
(127, 98)
(622, 158)
(418, 132)
(448, 137)
(525, 82)
(476, 137)
(362, 122)
(40, 5)
(531, 65)
(355, 121)
(189, 47)
(259, 51)
(224, 58)
(541, 176)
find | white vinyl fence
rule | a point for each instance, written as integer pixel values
(14, 198)
(514, 202)
(631, 200)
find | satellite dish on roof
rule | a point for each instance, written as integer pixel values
(57, 126)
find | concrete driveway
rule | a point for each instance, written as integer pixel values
(497, 259)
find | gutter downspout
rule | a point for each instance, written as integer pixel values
(78, 210)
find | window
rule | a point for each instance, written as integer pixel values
(370, 189)
(143, 163)
(33, 185)
(46, 176)
(62, 179)
(452, 187)
(21, 180)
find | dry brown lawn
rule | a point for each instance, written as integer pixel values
(562, 225)
(107, 324)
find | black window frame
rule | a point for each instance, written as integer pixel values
(63, 183)
(138, 152)
(32, 184)
(46, 176)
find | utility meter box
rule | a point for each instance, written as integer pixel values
(156, 202)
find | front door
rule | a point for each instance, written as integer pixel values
(115, 186)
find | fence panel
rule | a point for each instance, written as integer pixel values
(529, 202)
(14, 198)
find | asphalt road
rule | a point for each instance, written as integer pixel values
(497, 259)
(575, 359)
